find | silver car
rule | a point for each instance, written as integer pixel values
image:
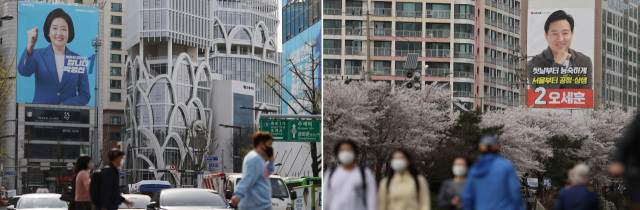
(189, 199)
(40, 201)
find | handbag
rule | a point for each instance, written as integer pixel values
(69, 194)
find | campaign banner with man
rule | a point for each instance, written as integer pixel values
(56, 60)
(560, 54)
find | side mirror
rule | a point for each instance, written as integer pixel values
(12, 207)
(151, 205)
(293, 195)
(228, 194)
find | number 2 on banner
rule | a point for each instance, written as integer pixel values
(539, 100)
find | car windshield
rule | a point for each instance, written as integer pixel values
(192, 198)
(41, 203)
(139, 202)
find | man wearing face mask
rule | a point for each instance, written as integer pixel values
(254, 190)
(450, 190)
(110, 197)
(492, 182)
(349, 186)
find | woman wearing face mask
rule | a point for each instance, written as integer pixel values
(348, 186)
(82, 181)
(449, 196)
(405, 188)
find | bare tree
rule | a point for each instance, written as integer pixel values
(200, 144)
(304, 97)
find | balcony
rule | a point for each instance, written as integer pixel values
(353, 31)
(401, 72)
(332, 31)
(382, 12)
(332, 51)
(517, 12)
(331, 70)
(517, 30)
(437, 33)
(466, 16)
(332, 11)
(384, 71)
(404, 53)
(501, 6)
(353, 11)
(487, 20)
(494, 22)
(400, 13)
(501, 43)
(352, 70)
(489, 59)
(500, 25)
(487, 39)
(440, 14)
(382, 51)
(463, 35)
(511, 10)
(463, 74)
(462, 94)
(468, 55)
(488, 78)
(510, 29)
(437, 72)
(408, 33)
(383, 32)
(353, 51)
(436, 53)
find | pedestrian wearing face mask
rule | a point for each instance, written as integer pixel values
(405, 188)
(254, 190)
(450, 190)
(349, 186)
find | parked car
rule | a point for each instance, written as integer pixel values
(189, 198)
(139, 201)
(49, 201)
(15, 200)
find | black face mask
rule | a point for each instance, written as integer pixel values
(269, 151)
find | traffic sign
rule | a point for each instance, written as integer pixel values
(214, 165)
(211, 159)
(172, 167)
(200, 173)
(123, 174)
(292, 130)
(69, 166)
(9, 173)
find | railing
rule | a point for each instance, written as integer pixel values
(511, 9)
(467, 16)
(332, 11)
(509, 46)
(463, 35)
(517, 30)
(487, 39)
(352, 70)
(331, 70)
(332, 31)
(493, 3)
(382, 12)
(487, 20)
(381, 71)
(502, 81)
(494, 22)
(437, 33)
(511, 28)
(353, 51)
(401, 72)
(440, 14)
(383, 32)
(500, 24)
(436, 53)
(501, 6)
(463, 55)
(400, 13)
(499, 62)
(488, 78)
(403, 53)
(462, 94)
(463, 74)
(437, 72)
(332, 51)
(517, 12)
(501, 43)
(354, 11)
(489, 59)
(408, 33)
(492, 98)
(353, 31)
(382, 51)
(493, 42)
(487, 2)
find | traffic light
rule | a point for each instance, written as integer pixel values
(414, 80)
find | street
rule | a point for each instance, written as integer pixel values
(3, 207)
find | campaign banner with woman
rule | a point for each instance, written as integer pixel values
(56, 60)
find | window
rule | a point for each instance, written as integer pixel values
(116, 84)
(115, 97)
(115, 120)
(116, 32)
(116, 71)
(116, 7)
(114, 136)
(115, 58)
(77, 1)
(116, 19)
(116, 45)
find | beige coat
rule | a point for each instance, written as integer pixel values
(402, 193)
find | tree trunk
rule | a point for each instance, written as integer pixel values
(315, 164)
(379, 162)
(540, 185)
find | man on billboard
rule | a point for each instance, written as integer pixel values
(60, 74)
(558, 66)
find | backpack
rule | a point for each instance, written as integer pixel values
(415, 178)
(94, 186)
(364, 183)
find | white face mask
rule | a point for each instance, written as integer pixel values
(459, 170)
(346, 157)
(398, 164)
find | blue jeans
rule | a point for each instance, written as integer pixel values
(83, 205)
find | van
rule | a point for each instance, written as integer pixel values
(223, 182)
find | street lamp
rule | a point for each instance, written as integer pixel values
(96, 43)
(7, 17)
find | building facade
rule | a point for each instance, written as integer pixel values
(469, 46)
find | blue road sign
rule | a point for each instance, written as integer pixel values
(200, 173)
(9, 173)
(211, 159)
(214, 165)
(123, 174)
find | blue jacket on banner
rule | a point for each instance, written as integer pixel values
(73, 89)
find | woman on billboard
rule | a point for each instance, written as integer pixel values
(60, 74)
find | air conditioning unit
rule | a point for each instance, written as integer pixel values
(429, 12)
(348, 32)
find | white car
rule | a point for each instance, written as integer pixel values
(139, 201)
(40, 201)
(280, 199)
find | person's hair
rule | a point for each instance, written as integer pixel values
(58, 13)
(466, 160)
(82, 163)
(410, 166)
(579, 173)
(114, 153)
(261, 136)
(336, 148)
(555, 16)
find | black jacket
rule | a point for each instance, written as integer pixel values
(110, 197)
(546, 59)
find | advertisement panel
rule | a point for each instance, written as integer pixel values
(308, 198)
(560, 54)
(55, 56)
(299, 52)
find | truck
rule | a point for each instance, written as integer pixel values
(228, 182)
(6, 196)
(292, 182)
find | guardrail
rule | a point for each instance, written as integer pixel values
(437, 33)
(352, 70)
(436, 53)
(332, 51)
(400, 13)
(332, 11)
(440, 14)
(382, 12)
(408, 33)
(332, 31)
(382, 51)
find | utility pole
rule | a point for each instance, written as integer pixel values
(368, 74)
(96, 43)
